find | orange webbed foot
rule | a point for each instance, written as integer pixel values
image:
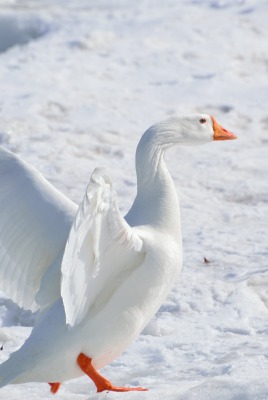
(109, 387)
(54, 387)
(102, 384)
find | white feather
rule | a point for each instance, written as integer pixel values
(116, 272)
(98, 226)
(35, 220)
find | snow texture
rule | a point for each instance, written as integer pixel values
(80, 82)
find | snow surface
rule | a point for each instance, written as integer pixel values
(80, 82)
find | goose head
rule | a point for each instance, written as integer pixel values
(186, 130)
(154, 184)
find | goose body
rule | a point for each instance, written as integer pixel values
(98, 291)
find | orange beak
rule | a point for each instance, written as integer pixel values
(220, 133)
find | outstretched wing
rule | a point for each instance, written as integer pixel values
(35, 220)
(101, 246)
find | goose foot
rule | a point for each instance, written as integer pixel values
(101, 383)
(54, 387)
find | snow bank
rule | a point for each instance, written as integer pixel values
(224, 389)
(20, 30)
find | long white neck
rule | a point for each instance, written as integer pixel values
(156, 203)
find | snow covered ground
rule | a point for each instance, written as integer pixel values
(80, 81)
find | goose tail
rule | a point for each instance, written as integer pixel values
(10, 370)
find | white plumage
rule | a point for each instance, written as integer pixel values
(35, 221)
(98, 290)
(98, 234)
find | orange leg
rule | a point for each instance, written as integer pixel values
(101, 383)
(54, 387)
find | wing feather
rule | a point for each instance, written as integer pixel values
(98, 237)
(35, 220)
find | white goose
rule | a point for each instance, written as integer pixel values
(115, 272)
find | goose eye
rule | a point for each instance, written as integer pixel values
(202, 120)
